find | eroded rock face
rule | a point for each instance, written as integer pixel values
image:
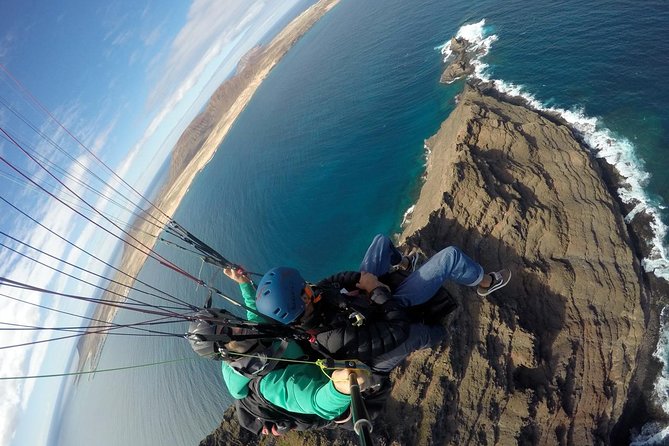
(550, 358)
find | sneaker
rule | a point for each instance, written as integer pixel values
(413, 261)
(499, 280)
(409, 263)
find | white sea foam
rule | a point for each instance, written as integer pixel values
(407, 215)
(656, 433)
(652, 434)
(661, 353)
(604, 143)
(478, 45)
(426, 153)
(621, 153)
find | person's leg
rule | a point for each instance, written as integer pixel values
(420, 336)
(448, 264)
(380, 255)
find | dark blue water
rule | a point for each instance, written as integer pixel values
(330, 151)
(310, 189)
(609, 58)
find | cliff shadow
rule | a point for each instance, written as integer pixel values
(526, 303)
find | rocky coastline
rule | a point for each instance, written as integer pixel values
(561, 356)
(571, 340)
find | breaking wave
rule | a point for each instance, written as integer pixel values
(604, 143)
(620, 153)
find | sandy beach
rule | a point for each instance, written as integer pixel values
(252, 75)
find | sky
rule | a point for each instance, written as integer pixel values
(79, 80)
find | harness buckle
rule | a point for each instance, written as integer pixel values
(359, 319)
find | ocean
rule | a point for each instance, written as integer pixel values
(330, 151)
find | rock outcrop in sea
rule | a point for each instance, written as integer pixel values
(563, 354)
(461, 64)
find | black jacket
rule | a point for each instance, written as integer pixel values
(337, 325)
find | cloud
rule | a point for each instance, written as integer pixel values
(29, 360)
(151, 37)
(134, 57)
(210, 24)
(63, 221)
(17, 361)
(211, 27)
(122, 37)
(7, 42)
(114, 20)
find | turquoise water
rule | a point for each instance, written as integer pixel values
(330, 152)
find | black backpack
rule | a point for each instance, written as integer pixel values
(257, 362)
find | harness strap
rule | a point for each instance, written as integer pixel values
(261, 364)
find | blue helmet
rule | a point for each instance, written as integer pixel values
(279, 294)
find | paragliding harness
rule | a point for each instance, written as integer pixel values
(355, 311)
(254, 412)
(253, 349)
(258, 415)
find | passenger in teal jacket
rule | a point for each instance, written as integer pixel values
(298, 388)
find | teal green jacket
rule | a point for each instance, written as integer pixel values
(299, 388)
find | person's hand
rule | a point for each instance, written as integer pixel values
(368, 282)
(236, 275)
(341, 381)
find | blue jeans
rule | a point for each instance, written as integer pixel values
(448, 264)
(419, 287)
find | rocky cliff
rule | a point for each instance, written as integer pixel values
(550, 359)
(561, 356)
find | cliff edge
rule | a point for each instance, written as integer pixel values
(561, 356)
(551, 358)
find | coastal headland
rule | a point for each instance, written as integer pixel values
(563, 354)
(194, 149)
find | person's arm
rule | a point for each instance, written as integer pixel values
(238, 384)
(249, 296)
(248, 293)
(353, 281)
(341, 381)
(378, 292)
